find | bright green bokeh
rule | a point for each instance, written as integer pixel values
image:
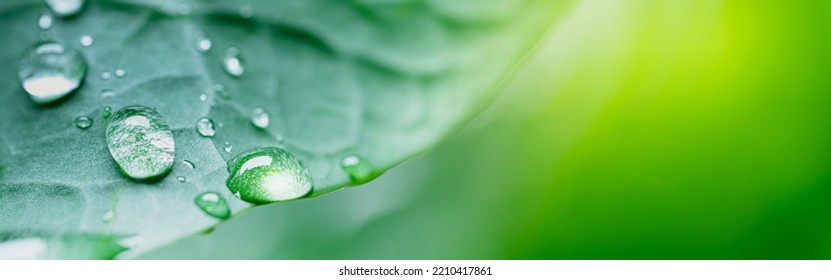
(641, 130)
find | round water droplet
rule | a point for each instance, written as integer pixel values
(189, 164)
(108, 216)
(50, 71)
(232, 63)
(120, 73)
(228, 147)
(203, 98)
(279, 138)
(107, 113)
(45, 21)
(141, 142)
(65, 8)
(246, 11)
(106, 75)
(268, 175)
(86, 40)
(181, 179)
(205, 127)
(260, 118)
(358, 169)
(203, 43)
(83, 122)
(213, 204)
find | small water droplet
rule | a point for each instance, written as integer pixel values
(181, 179)
(86, 40)
(189, 164)
(140, 141)
(221, 91)
(266, 175)
(205, 127)
(213, 204)
(107, 93)
(45, 21)
(50, 71)
(228, 147)
(232, 63)
(246, 11)
(108, 112)
(358, 169)
(260, 118)
(106, 75)
(203, 98)
(83, 122)
(65, 8)
(203, 43)
(279, 138)
(108, 216)
(120, 73)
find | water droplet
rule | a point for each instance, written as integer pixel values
(246, 11)
(106, 75)
(65, 8)
(220, 90)
(108, 112)
(260, 118)
(107, 93)
(205, 127)
(45, 21)
(50, 71)
(279, 138)
(140, 141)
(108, 216)
(232, 63)
(86, 40)
(83, 122)
(228, 147)
(358, 169)
(203, 43)
(189, 164)
(203, 98)
(181, 179)
(268, 175)
(213, 204)
(120, 73)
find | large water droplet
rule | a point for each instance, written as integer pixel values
(45, 21)
(213, 204)
(86, 40)
(268, 175)
(203, 43)
(65, 8)
(205, 127)
(358, 169)
(141, 142)
(83, 122)
(50, 71)
(260, 118)
(232, 63)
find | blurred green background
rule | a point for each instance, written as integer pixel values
(638, 130)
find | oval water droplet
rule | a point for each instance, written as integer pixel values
(106, 75)
(107, 113)
(108, 216)
(107, 93)
(65, 8)
(358, 169)
(45, 21)
(181, 179)
(267, 175)
(140, 141)
(189, 164)
(50, 71)
(86, 40)
(120, 73)
(232, 63)
(228, 147)
(213, 204)
(203, 43)
(260, 118)
(205, 127)
(83, 122)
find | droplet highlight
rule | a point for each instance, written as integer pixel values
(260, 118)
(267, 175)
(50, 71)
(232, 63)
(213, 204)
(45, 21)
(140, 141)
(86, 40)
(65, 8)
(205, 127)
(83, 122)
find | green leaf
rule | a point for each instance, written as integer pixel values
(381, 80)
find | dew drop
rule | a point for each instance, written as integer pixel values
(189, 164)
(228, 147)
(220, 90)
(232, 63)
(267, 175)
(108, 112)
(108, 216)
(203, 43)
(65, 8)
(140, 141)
(106, 75)
(50, 71)
(83, 122)
(107, 93)
(358, 169)
(213, 204)
(203, 98)
(246, 11)
(86, 40)
(205, 127)
(181, 179)
(260, 118)
(120, 73)
(45, 21)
